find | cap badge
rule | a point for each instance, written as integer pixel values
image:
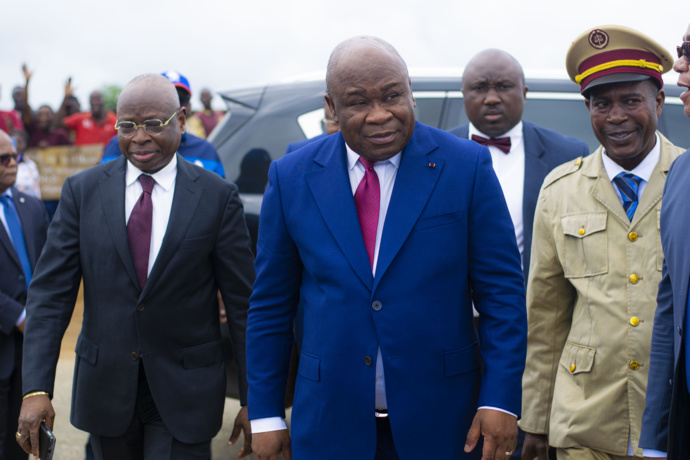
(598, 39)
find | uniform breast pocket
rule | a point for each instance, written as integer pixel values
(585, 245)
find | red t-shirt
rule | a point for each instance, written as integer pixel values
(87, 131)
(10, 121)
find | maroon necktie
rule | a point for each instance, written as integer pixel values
(368, 202)
(139, 229)
(502, 143)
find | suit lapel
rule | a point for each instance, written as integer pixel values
(330, 187)
(185, 201)
(535, 171)
(7, 243)
(413, 186)
(28, 227)
(112, 191)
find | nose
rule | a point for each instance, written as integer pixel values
(491, 97)
(617, 114)
(140, 136)
(378, 114)
(681, 65)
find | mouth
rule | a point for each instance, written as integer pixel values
(493, 115)
(621, 137)
(382, 138)
(143, 155)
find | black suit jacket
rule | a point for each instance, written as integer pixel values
(172, 326)
(34, 220)
(544, 150)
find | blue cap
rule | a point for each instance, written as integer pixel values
(178, 80)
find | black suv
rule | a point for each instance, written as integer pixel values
(264, 120)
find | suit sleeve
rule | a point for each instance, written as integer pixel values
(497, 290)
(272, 308)
(234, 267)
(550, 301)
(52, 296)
(10, 311)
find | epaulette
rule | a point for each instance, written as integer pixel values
(561, 171)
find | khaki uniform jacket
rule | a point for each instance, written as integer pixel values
(591, 299)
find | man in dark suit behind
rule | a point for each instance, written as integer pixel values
(32, 220)
(666, 419)
(372, 244)
(154, 238)
(494, 92)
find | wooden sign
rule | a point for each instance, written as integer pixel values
(55, 164)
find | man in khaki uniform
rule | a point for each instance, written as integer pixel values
(596, 259)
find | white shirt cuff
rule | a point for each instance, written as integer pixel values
(498, 409)
(21, 319)
(262, 425)
(653, 453)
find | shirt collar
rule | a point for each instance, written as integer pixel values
(165, 177)
(644, 170)
(7, 192)
(515, 133)
(353, 158)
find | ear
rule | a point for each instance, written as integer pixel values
(331, 105)
(414, 101)
(524, 93)
(182, 118)
(659, 100)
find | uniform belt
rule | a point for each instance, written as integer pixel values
(381, 413)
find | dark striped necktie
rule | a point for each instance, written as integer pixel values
(628, 184)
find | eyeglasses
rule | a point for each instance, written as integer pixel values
(684, 50)
(6, 157)
(128, 128)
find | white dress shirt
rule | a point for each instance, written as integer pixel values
(510, 170)
(8, 193)
(161, 197)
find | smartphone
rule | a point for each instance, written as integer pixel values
(46, 443)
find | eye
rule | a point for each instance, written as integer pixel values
(391, 97)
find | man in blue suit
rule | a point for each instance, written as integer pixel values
(666, 419)
(494, 94)
(379, 285)
(23, 227)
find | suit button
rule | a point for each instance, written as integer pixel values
(634, 321)
(377, 305)
(140, 307)
(634, 365)
(633, 278)
(572, 368)
(134, 355)
(367, 360)
(632, 236)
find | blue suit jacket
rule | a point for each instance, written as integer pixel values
(34, 220)
(661, 413)
(447, 240)
(544, 150)
(299, 144)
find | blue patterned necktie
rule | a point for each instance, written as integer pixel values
(628, 184)
(17, 236)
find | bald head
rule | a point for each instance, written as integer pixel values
(356, 47)
(494, 92)
(165, 91)
(8, 174)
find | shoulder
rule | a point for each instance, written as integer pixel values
(555, 141)
(461, 131)
(445, 143)
(196, 147)
(31, 202)
(200, 175)
(564, 171)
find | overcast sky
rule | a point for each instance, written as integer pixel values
(233, 44)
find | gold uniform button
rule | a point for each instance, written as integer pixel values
(572, 368)
(634, 278)
(581, 231)
(634, 365)
(632, 236)
(634, 321)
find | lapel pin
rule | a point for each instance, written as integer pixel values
(432, 165)
(21, 199)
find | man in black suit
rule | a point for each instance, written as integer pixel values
(22, 236)
(494, 94)
(154, 238)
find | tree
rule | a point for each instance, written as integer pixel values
(110, 95)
